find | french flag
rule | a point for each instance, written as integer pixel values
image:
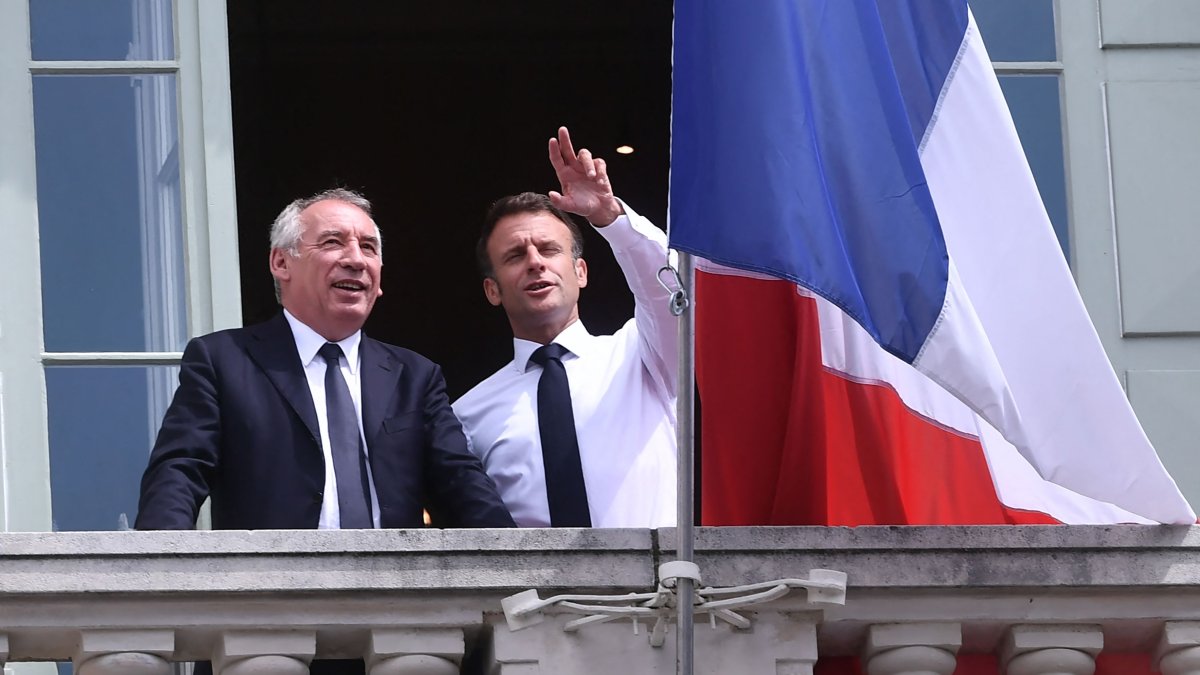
(887, 330)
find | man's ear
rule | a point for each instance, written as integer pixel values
(280, 261)
(581, 271)
(492, 290)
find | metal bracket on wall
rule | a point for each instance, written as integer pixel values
(525, 609)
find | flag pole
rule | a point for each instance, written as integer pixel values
(685, 437)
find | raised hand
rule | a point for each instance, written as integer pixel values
(586, 190)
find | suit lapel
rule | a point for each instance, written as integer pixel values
(273, 348)
(380, 385)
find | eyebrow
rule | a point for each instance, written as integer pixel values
(341, 235)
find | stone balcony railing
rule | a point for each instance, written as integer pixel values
(1034, 599)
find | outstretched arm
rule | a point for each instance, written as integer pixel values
(639, 247)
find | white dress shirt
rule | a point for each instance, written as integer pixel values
(308, 343)
(622, 395)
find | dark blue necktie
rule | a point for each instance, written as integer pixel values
(345, 445)
(565, 490)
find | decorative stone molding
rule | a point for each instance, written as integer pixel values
(267, 664)
(415, 651)
(125, 663)
(1052, 662)
(121, 652)
(264, 652)
(1051, 649)
(1178, 651)
(414, 664)
(912, 648)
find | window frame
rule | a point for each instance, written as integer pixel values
(207, 209)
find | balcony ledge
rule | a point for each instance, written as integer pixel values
(1128, 580)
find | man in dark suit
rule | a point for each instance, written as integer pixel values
(282, 438)
(255, 420)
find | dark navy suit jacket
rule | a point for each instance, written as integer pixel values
(242, 427)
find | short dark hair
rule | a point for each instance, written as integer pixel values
(526, 202)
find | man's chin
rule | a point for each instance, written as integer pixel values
(543, 314)
(543, 308)
(351, 315)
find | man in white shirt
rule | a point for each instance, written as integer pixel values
(622, 387)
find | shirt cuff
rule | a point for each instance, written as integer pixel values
(622, 233)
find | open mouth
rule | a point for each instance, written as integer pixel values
(354, 286)
(538, 286)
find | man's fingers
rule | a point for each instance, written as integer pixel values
(601, 169)
(556, 158)
(564, 142)
(589, 166)
(555, 198)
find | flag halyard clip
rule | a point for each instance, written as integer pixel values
(825, 588)
(679, 297)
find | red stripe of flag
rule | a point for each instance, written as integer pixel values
(787, 442)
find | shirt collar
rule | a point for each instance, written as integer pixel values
(309, 342)
(575, 338)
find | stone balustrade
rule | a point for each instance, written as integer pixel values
(1044, 600)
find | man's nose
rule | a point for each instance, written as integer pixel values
(534, 259)
(352, 256)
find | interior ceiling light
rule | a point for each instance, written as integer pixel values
(624, 149)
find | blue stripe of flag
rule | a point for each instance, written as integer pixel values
(794, 149)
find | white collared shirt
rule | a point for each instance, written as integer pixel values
(308, 343)
(622, 397)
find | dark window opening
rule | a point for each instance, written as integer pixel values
(434, 110)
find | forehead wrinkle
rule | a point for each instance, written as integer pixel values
(515, 247)
(341, 232)
(537, 236)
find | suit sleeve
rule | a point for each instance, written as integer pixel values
(461, 492)
(185, 454)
